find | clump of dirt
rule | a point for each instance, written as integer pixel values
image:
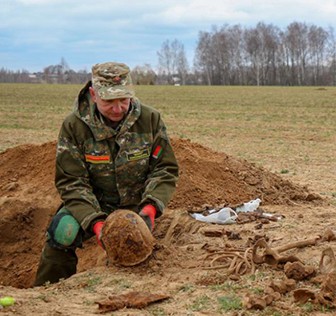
(28, 198)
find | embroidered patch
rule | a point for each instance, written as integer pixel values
(141, 154)
(157, 152)
(97, 159)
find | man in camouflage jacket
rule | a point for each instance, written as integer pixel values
(113, 152)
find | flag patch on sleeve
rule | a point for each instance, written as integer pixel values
(157, 152)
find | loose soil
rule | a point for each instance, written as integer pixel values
(189, 262)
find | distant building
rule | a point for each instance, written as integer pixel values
(35, 77)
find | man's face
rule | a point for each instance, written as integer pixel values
(115, 110)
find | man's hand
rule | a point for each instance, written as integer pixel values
(97, 229)
(148, 213)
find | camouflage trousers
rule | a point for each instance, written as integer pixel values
(55, 264)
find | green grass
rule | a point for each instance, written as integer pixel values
(229, 303)
(121, 283)
(211, 115)
(202, 302)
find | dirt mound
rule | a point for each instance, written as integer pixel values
(208, 177)
(28, 198)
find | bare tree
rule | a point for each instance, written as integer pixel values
(222, 57)
(331, 51)
(238, 55)
(172, 61)
(204, 58)
(283, 61)
(182, 65)
(261, 47)
(318, 38)
(297, 42)
(215, 54)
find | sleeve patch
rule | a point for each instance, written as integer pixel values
(157, 152)
(97, 159)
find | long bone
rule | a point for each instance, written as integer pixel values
(272, 255)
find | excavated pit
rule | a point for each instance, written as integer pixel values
(28, 199)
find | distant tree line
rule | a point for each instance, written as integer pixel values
(59, 73)
(301, 54)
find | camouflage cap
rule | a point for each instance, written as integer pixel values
(112, 80)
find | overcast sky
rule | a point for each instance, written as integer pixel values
(38, 33)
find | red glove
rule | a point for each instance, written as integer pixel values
(148, 213)
(97, 229)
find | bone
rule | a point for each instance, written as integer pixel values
(298, 244)
(328, 261)
(272, 255)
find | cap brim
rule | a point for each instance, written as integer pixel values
(115, 92)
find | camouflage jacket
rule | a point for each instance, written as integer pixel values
(100, 169)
